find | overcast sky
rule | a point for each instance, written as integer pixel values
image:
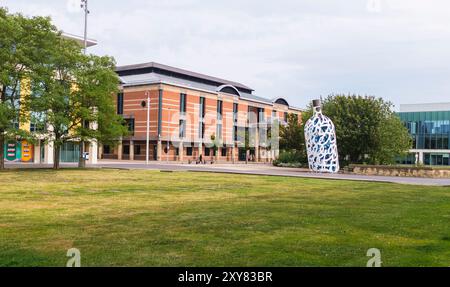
(296, 49)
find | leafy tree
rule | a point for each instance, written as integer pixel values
(367, 129)
(24, 43)
(75, 92)
(69, 91)
(292, 137)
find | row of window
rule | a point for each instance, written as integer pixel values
(137, 150)
(433, 159)
(202, 112)
(431, 141)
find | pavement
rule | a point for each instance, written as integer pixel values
(251, 168)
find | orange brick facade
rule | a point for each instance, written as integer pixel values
(178, 132)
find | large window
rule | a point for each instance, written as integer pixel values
(261, 115)
(37, 122)
(183, 103)
(201, 130)
(130, 125)
(182, 128)
(120, 103)
(202, 107)
(219, 131)
(219, 109)
(429, 130)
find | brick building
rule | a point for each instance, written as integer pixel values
(194, 116)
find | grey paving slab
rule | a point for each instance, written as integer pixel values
(252, 169)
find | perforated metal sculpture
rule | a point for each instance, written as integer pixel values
(320, 136)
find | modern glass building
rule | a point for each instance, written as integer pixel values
(429, 126)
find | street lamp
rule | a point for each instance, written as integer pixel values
(147, 93)
(84, 5)
(168, 137)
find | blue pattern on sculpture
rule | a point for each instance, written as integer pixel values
(320, 136)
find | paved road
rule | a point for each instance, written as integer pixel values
(262, 169)
(255, 169)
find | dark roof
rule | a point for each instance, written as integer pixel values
(155, 67)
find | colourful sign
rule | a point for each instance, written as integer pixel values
(27, 151)
(12, 151)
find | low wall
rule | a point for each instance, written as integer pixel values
(430, 172)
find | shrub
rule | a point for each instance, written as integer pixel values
(292, 158)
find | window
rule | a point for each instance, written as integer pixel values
(202, 107)
(201, 130)
(219, 109)
(189, 151)
(106, 149)
(137, 149)
(207, 151)
(182, 103)
(260, 115)
(219, 131)
(235, 112)
(235, 133)
(130, 125)
(274, 114)
(126, 149)
(120, 103)
(224, 151)
(182, 128)
(37, 122)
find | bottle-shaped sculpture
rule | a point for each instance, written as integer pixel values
(320, 137)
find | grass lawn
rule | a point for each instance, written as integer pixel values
(150, 218)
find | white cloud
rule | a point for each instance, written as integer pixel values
(290, 48)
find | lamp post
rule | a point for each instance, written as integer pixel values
(84, 6)
(168, 137)
(147, 93)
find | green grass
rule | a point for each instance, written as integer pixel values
(149, 218)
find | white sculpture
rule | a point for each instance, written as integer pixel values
(320, 137)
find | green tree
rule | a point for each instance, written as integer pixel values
(76, 95)
(24, 43)
(292, 138)
(367, 129)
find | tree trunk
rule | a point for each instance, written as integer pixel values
(2, 135)
(56, 151)
(81, 160)
(2, 150)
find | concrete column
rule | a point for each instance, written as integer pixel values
(200, 149)
(48, 156)
(48, 149)
(159, 151)
(37, 152)
(93, 145)
(100, 151)
(421, 158)
(131, 150)
(93, 152)
(181, 151)
(235, 152)
(257, 155)
(120, 150)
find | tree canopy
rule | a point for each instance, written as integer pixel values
(70, 94)
(367, 129)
